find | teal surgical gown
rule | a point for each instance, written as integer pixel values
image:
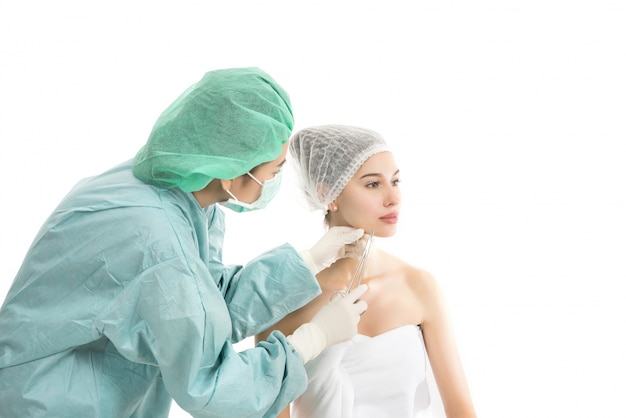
(123, 303)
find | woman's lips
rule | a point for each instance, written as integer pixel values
(391, 218)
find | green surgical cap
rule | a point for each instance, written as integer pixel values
(223, 126)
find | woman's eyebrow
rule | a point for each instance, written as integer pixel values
(377, 174)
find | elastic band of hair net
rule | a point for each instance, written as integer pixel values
(223, 126)
(326, 157)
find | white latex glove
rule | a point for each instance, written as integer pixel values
(356, 249)
(331, 247)
(336, 322)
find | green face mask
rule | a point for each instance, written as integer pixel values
(268, 192)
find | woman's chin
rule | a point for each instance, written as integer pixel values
(386, 232)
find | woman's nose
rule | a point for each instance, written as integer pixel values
(393, 196)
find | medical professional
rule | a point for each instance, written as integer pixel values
(122, 302)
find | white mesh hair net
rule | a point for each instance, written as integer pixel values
(326, 157)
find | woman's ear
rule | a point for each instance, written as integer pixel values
(332, 207)
(226, 184)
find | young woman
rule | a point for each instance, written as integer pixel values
(350, 174)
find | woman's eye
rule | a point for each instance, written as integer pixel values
(373, 184)
(395, 182)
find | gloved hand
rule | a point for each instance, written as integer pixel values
(336, 243)
(336, 322)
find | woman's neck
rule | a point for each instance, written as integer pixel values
(344, 269)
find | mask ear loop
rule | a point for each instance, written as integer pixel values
(255, 179)
(232, 195)
(360, 270)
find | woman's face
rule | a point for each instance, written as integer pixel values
(246, 189)
(371, 199)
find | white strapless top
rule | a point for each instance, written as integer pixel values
(381, 376)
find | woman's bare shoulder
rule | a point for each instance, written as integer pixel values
(410, 269)
(419, 279)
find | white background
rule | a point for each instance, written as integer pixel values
(507, 119)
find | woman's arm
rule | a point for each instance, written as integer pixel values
(286, 413)
(442, 352)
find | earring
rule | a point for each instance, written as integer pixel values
(333, 208)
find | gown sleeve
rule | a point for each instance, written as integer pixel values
(175, 318)
(269, 287)
(183, 315)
